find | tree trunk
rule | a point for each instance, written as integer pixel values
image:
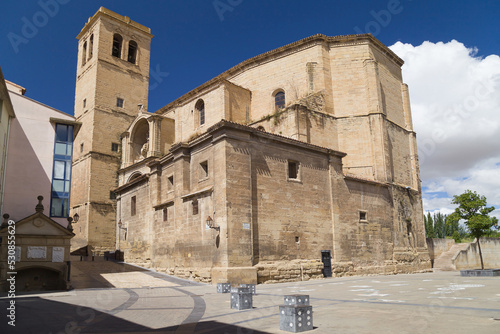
(480, 254)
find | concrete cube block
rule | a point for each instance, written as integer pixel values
(251, 287)
(296, 299)
(223, 287)
(296, 318)
(241, 299)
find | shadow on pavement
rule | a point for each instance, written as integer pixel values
(38, 316)
(88, 274)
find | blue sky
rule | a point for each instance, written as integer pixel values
(197, 40)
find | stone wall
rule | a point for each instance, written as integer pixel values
(272, 226)
(469, 259)
(101, 79)
(437, 246)
(277, 198)
(289, 271)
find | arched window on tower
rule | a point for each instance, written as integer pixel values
(279, 100)
(200, 109)
(91, 46)
(132, 52)
(84, 53)
(117, 46)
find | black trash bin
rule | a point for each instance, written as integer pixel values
(326, 258)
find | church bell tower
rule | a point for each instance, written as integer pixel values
(111, 87)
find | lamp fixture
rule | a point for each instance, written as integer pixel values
(72, 220)
(121, 227)
(211, 224)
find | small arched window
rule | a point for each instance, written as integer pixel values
(134, 176)
(132, 52)
(200, 108)
(117, 46)
(91, 46)
(279, 100)
(84, 53)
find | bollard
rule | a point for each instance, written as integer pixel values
(251, 287)
(241, 298)
(296, 318)
(296, 314)
(296, 299)
(223, 287)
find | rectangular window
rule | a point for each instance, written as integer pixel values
(84, 53)
(293, 170)
(91, 46)
(61, 171)
(165, 214)
(84, 103)
(114, 147)
(81, 147)
(132, 206)
(204, 170)
(195, 207)
(362, 216)
(119, 102)
(170, 185)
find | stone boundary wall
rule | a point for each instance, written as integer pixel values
(469, 258)
(390, 268)
(437, 246)
(289, 271)
(304, 270)
(202, 275)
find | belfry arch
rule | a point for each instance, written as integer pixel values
(139, 141)
(148, 136)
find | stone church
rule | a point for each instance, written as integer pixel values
(292, 164)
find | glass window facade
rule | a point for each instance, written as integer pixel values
(61, 173)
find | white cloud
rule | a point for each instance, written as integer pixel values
(455, 98)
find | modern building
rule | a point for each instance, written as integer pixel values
(38, 157)
(298, 162)
(6, 116)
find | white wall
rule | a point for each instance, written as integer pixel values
(30, 157)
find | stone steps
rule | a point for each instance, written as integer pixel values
(445, 261)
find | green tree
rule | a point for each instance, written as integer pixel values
(429, 226)
(439, 225)
(456, 236)
(472, 209)
(453, 226)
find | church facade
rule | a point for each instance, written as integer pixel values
(294, 163)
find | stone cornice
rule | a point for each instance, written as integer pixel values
(137, 164)
(196, 193)
(164, 204)
(115, 17)
(137, 180)
(359, 179)
(274, 137)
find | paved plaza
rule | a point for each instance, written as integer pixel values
(118, 298)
